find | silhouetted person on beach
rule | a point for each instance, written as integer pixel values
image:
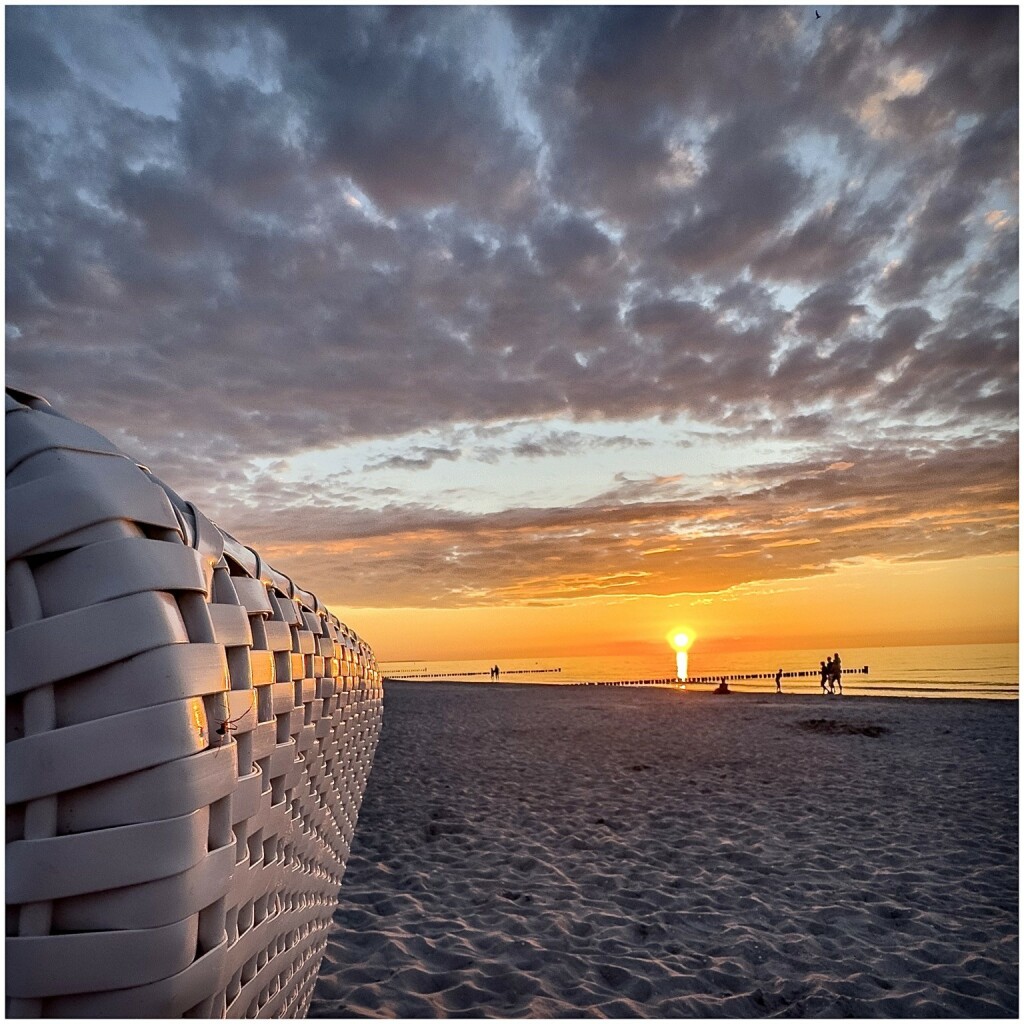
(837, 673)
(722, 687)
(778, 681)
(824, 678)
(497, 672)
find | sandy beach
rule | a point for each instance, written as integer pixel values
(534, 851)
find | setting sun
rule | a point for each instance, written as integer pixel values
(680, 641)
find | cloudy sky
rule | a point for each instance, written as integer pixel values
(566, 324)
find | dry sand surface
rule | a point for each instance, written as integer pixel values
(605, 852)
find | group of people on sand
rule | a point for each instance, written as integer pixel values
(495, 672)
(832, 675)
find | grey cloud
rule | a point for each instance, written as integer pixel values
(555, 443)
(974, 49)
(989, 152)
(900, 331)
(806, 426)
(679, 54)
(614, 84)
(418, 458)
(828, 310)
(828, 243)
(748, 191)
(998, 264)
(176, 215)
(611, 163)
(963, 370)
(971, 360)
(403, 119)
(32, 65)
(236, 136)
(208, 30)
(572, 247)
(750, 301)
(683, 326)
(939, 240)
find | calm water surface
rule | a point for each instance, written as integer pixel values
(969, 670)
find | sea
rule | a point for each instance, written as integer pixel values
(949, 670)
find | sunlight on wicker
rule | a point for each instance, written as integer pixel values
(189, 736)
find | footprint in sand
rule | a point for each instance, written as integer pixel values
(445, 827)
(511, 986)
(421, 982)
(613, 977)
(515, 897)
(465, 996)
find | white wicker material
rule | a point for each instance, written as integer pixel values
(188, 740)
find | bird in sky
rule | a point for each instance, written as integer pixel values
(816, 15)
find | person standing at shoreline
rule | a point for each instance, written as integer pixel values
(837, 673)
(825, 673)
(778, 681)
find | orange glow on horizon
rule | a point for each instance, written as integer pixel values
(872, 603)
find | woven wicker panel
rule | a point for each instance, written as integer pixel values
(188, 740)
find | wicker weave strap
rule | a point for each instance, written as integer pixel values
(118, 568)
(53, 649)
(76, 496)
(53, 965)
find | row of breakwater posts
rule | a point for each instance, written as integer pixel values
(665, 681)
(482, 672)
(675, 680)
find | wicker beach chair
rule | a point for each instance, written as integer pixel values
(188, 740)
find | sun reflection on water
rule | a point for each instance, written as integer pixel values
(681, 641)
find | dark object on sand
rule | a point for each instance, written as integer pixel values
(722, 687)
